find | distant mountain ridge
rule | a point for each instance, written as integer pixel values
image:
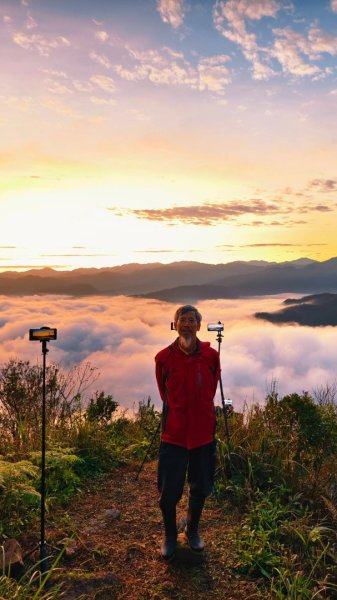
(179, 281)
(316, 310)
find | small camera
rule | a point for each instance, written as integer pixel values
(215, 326)
(43, 334)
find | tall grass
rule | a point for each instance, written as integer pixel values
(282, 463)
(33, 585)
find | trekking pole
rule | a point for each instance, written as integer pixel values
(148, 450)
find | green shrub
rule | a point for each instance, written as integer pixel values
(19, 500)
(289, 443)
(61, 478)
(100, 409)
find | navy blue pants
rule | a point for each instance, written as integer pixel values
(175, 462)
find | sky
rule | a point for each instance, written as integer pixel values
(119, 337)
(167, 130)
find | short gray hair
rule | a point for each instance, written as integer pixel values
(187, 308)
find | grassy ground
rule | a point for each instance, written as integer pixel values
(117, 554)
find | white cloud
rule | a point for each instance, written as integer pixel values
(172, 12)
(105, 83)
(168, 67)
(31, 23)
(294, 51)
(100, 59)
(82, 86)
(213, 74)
(56, 87)
(320, 42)
(103, 101)
(120, 336)
(40, 43)
(334, 5)
(56, 105)
(229, 19)
(102, 35)
(25, 104)
(54, 73)
(292, 48)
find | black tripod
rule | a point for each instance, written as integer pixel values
(224, 408)
(43, 545)
(148, 450)
(43, 335)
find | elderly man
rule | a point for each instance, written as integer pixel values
(187, 375)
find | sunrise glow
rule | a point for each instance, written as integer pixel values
(159, 131)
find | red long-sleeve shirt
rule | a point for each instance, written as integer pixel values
(187, 385)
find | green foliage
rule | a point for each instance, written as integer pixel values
(278, 542)
(100, 409)
(147, 424)
(19, 500)
(21, 399)
(61, 478)
(281, 468)
(289, 443)
(260, 540)
(97, 448)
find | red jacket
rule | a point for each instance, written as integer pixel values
(187, 385)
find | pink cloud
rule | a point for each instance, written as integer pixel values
(120, 336)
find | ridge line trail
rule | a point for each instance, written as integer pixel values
(118, 553)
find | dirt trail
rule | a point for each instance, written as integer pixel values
(118, 533)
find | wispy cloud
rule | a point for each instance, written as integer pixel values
(103, 36)
(30, 23)
(323, 185)
(73, 254)
(169, 67)
(213, 74)
(42, 44)
(291, 48)
(103, 82)
(334, 5)
(230, 20)
(101, 59)
(205, 214)
(57, 105)
(294, 51)
(270, 244)
(164, 251)
(172, 12)
(103, 101)
(57, 87)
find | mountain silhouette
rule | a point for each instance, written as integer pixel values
(179, 281)
(315, 310)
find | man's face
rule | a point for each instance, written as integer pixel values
(187, 326)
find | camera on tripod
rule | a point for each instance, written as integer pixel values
(215, 326)
(43, 334)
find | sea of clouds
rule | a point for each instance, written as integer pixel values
(120, 336)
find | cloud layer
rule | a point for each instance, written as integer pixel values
(120, 337)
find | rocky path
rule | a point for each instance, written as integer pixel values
(117, 534)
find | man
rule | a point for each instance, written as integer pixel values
(187, 375)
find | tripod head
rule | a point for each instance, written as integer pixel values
(219, 327)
